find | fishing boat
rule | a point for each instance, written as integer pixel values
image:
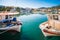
(52, 26)
(9, 23)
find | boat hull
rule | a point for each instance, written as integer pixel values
(48, 32)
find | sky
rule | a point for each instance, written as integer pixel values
(30, 3)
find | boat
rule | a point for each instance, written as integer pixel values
(9, 23)
(52, 26)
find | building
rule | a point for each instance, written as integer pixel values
(25, 10)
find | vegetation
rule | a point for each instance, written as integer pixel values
(5, 8)
(58, 7)
(17, 9)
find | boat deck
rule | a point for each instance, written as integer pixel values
(48, 30)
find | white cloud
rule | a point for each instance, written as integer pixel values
(24, 3)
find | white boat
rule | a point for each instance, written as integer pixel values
(52, 26)
(9, 22)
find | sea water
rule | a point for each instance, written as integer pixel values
(30, 29)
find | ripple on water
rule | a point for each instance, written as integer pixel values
(30, 27)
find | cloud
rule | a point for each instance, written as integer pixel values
(28, 3)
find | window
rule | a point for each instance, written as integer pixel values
(6, 17)
(0, 17)
(55, 17)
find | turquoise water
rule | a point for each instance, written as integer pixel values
(30, 28)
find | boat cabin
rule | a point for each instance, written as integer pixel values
(7, 17)
(54, 21)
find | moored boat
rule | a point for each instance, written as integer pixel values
(8, 22)
(52, 26)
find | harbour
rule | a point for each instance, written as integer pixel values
(29, 19)
(30, 28)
